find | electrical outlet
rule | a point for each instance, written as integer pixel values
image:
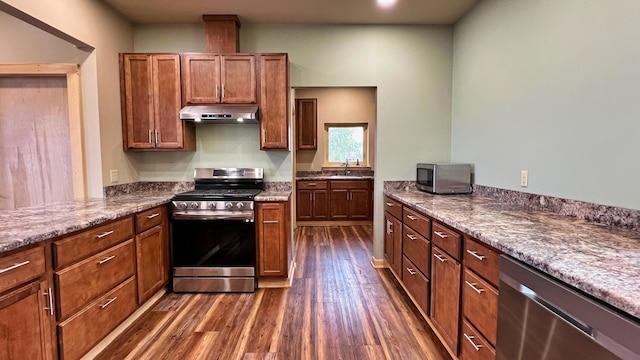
(524, 178)
(113, 174)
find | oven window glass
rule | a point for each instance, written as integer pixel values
(425, 177)
(209, 243)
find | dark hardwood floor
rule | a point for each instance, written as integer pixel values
(338, 307)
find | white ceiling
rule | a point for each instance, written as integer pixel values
(295, 11)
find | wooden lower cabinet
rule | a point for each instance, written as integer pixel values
(82, 331)
(473, 345)
(350, 200)
(273, 248)
(26, 323)
(393, 242)
(480, 305)
(445, 297)
(152, 252)
(416, 283)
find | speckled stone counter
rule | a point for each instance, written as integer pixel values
(275, 191)
(334, 177)
(26, 226)
(603, 261)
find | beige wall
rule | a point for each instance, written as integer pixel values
(338, 105)
(108, 33)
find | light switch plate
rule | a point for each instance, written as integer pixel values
(524, 178)
(113, 175)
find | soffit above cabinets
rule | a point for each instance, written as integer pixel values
(295, 11)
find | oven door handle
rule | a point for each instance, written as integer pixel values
(242, 217)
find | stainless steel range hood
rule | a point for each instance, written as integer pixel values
(220, 114)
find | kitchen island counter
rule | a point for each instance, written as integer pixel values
(603, 261)
(25, 226)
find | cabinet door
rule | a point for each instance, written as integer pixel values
(307, 124)
(201, 79)
(445, 296)
(393, 243)
(274, 102)
(138, 101)
(238, 79)
(304, 205)
(150, 258)
(25, 323)
(359, 204)
(339, 204)
(167, 101)
(272, 244)
(320, 205)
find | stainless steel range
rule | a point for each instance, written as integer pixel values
(213, 235)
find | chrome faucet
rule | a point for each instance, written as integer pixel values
(346, 167)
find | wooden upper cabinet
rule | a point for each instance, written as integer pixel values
(307, 124)
(238, 83)
(219, 79)
(274, 102)
(151, 102)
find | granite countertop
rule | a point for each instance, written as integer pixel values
(30, 225)
(273, 195)
(25, 226)
(601, 260)
(334, 177)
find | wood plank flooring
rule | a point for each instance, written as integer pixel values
(338, 307)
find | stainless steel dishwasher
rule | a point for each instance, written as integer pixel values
(542, 318)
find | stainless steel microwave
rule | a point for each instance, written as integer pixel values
(444, 178)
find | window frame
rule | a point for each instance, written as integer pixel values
(365, 144)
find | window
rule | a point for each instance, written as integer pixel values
(346, 141)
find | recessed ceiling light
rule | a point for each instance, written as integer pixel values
(386, 3)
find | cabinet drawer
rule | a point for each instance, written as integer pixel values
(393, 207)
(150, 218)
(473, 346)
(416, 248)
(21, 267)
(311, 185)
(89, 242)
(416, 283)
(417, 221)
(350, 184)
(85, 329)
(480, 305)
(84, 281)
(446, 239)
(482, 260)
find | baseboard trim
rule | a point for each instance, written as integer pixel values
(265, 282)
(124, 326)
(378, 263)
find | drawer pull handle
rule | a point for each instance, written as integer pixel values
(411, 271)
(311, 184)
(106, 233)
(108, 302)
(475, 255)
(411, 237)
(106, 259)
(49, 294)
(439, 257)
(270, 222)
(390, 204)
(153, 215)
(440, 234)
(412, 217)
(14, 266)
(473, 286)
(470, 339)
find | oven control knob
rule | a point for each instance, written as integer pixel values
(195, 205)
(182, 205)
(228, 205)
(212, 206)
(240, 205)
